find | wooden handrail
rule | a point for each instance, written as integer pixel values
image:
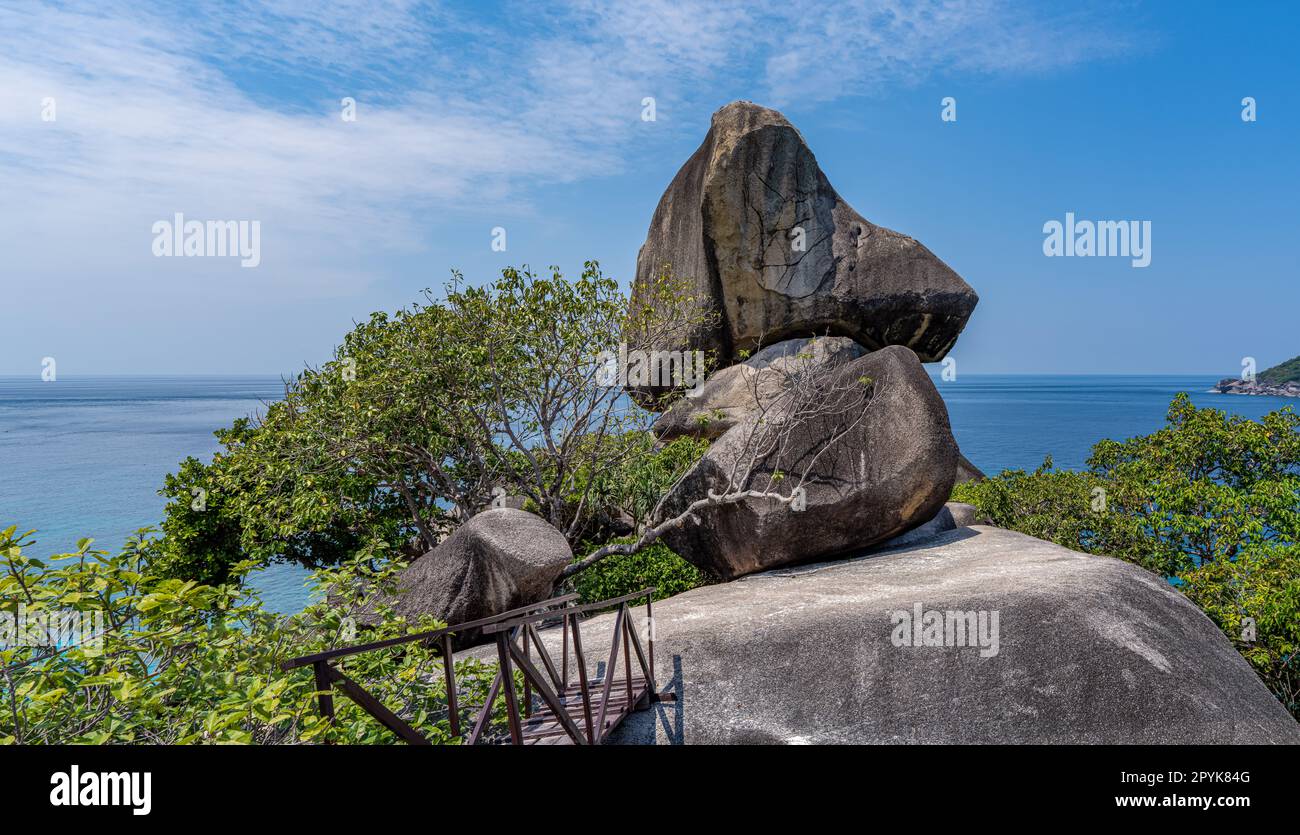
(558, 699)
(341, 652)
(551, 686)
(503, 626)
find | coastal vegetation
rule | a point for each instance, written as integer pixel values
(1286, 372)
(1210, 501)
(422, 419)
(172, 661)
(425, 417)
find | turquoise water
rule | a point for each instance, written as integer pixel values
(85, 456)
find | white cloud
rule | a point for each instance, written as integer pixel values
(230, 110)
(867, 46)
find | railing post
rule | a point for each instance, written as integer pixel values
(324, 696)
(581, 661)
(449, 672)
(564, 659)
(528, 690)
(508, 685)
(485, 712)
(611, 671)
(627, 652)
(650, 648)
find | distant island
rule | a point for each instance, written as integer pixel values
(1281, 380)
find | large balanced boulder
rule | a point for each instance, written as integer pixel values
(500, 559)
(872, 445)
(731, 395)
(1089, 649)
(754, 226)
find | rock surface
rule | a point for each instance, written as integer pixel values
(500, 559)
(732, 220)
(869, 479)
(1090, 650)
(966, 471)
(951, 516)
(1231, 385)
(730, 395)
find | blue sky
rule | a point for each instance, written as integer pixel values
(473, 116)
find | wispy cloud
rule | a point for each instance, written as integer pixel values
(869, 45)
(231, 110)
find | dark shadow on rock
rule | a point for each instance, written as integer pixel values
(642, 727)
(945, 538)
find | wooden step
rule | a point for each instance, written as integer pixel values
(544, 728)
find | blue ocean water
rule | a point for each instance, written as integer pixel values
(86, 456)
(1010, 421)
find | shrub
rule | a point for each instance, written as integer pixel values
(180, 662)
(623, 574)
(1210, 501)
(1263, 585)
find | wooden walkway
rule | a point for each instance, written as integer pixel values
(544, 728)
(565, 712)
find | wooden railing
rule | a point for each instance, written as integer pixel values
(596, 703)
(327, 675)
(564, 704)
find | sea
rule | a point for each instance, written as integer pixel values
(85, 456)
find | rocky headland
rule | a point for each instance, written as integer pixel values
(1282, 380)
(1233, 385)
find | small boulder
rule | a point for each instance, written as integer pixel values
(500, 559)
(951, 516)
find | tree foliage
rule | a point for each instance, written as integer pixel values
(421, 418)
(633, 489)
(1211, 501)
(653, 566)
(1258, 589)
(178, 662)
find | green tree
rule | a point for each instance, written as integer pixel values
(176, 662)
(655, 565)
(1204, 487)
(633, 489)
(1211, 501)
(1254, 598)
(423, 416)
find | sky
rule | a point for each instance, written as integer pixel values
(529, 117)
